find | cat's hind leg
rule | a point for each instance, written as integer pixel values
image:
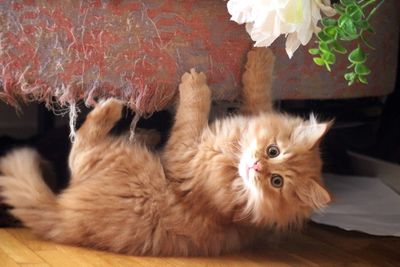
(94, 130)
(100, 121)
(257, 81)
(90, 146)
(148, 137)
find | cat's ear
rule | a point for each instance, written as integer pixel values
(310, 132)
(313, 195)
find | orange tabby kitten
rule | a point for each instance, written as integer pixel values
(209, 192)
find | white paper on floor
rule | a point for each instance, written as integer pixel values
(362, 204)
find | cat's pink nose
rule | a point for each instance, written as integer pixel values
(256, 166)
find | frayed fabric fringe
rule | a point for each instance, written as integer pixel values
(66, 99)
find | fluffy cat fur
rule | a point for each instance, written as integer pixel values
(208, 192)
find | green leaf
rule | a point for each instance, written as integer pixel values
(347, 28)
(330, 31)
(357, 56)
(313, 51)
(351, 8)
(338, 48)
(361, 69)
(355, 12)
(362, 79)
(324, 47)
(357, 15)
(349, 76)
(329, 58)
(329, 22)
(319, 61)
(342, 34)
(324, 37)
(342, 20)
(350, 29)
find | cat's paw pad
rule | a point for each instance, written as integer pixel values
(260, 58)
(194, 86)
(110, 108)
(199, 78)
(194, 79)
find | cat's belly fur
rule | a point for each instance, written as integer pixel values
(130, 208)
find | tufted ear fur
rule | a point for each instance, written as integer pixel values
(310, 132)
(313, 195)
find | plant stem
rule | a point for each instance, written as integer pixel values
(367, 4)
(375, 9)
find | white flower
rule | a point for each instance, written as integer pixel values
(267, 19)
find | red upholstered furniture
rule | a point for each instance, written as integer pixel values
(65, 51)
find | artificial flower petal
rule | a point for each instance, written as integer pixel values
(292, 43)
(266, 20)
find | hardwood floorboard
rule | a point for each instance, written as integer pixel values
(17, 250)
(315, 246)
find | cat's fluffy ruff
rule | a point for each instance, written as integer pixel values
(195, 200)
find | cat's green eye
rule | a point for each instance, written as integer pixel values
(276, 180)
(273, 151)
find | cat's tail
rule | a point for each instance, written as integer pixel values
(23, 188)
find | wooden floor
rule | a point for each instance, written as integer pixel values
(317, 246)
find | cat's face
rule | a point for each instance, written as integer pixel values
(280, 170)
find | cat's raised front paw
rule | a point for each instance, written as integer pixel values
(110, 109)
(194, 83)
(259, 68)
(260, 58)
(194, 78)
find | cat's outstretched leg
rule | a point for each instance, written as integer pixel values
(257, 81)
(100, 121)
(89, 145)
(190, 120)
